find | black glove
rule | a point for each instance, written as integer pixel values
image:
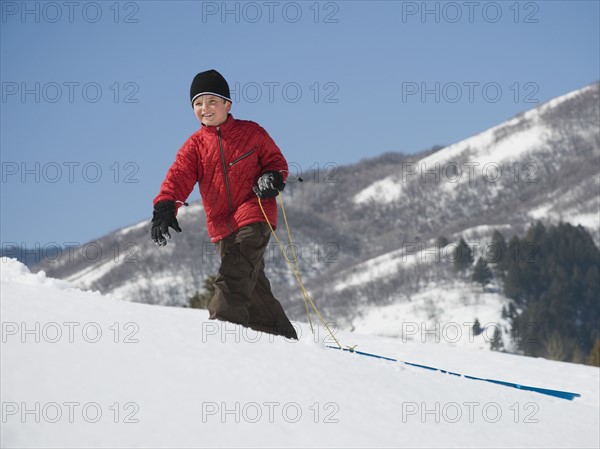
(163, 217)
(269, 184)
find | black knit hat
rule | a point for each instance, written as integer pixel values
(210, 82)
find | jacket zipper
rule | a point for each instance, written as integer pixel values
(226, 179)
(243, 156)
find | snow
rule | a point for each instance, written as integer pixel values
(569, 208)
(135, 227)
(478, 231)
(442, 313)
(86, 277)
(551, 104)
(540, 212)
(591, 221)
(153, 376)
(381, 266)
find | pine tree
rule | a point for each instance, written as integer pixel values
(201, 300)
(499, 254)
(477, 327)
(463, 257)
(512, 310)
(536, 232)
(482, 273)
(497, 344)
(512, 252)
(518, 273)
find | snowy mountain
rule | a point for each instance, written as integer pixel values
(524, 158)
(80, 369)
(365, 233)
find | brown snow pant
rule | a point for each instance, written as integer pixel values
(242, 291)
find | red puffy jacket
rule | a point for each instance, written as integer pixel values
(226, 161)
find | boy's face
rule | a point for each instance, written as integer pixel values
(211, 110)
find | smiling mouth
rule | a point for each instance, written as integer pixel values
(207, 115)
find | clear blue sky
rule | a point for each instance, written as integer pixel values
(95, 95)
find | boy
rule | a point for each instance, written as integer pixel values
(229, 158)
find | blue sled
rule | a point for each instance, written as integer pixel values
(556, 393)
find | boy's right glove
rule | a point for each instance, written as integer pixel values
(163, 217)
(269, 184)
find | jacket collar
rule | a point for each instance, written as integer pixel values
(225, 126)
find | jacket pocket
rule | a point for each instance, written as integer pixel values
(242, 157)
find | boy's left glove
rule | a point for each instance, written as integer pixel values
(269, 184)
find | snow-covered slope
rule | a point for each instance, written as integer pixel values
(84, 370)
(443, 313)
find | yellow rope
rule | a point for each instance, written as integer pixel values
(289, 233)
(296, 271)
